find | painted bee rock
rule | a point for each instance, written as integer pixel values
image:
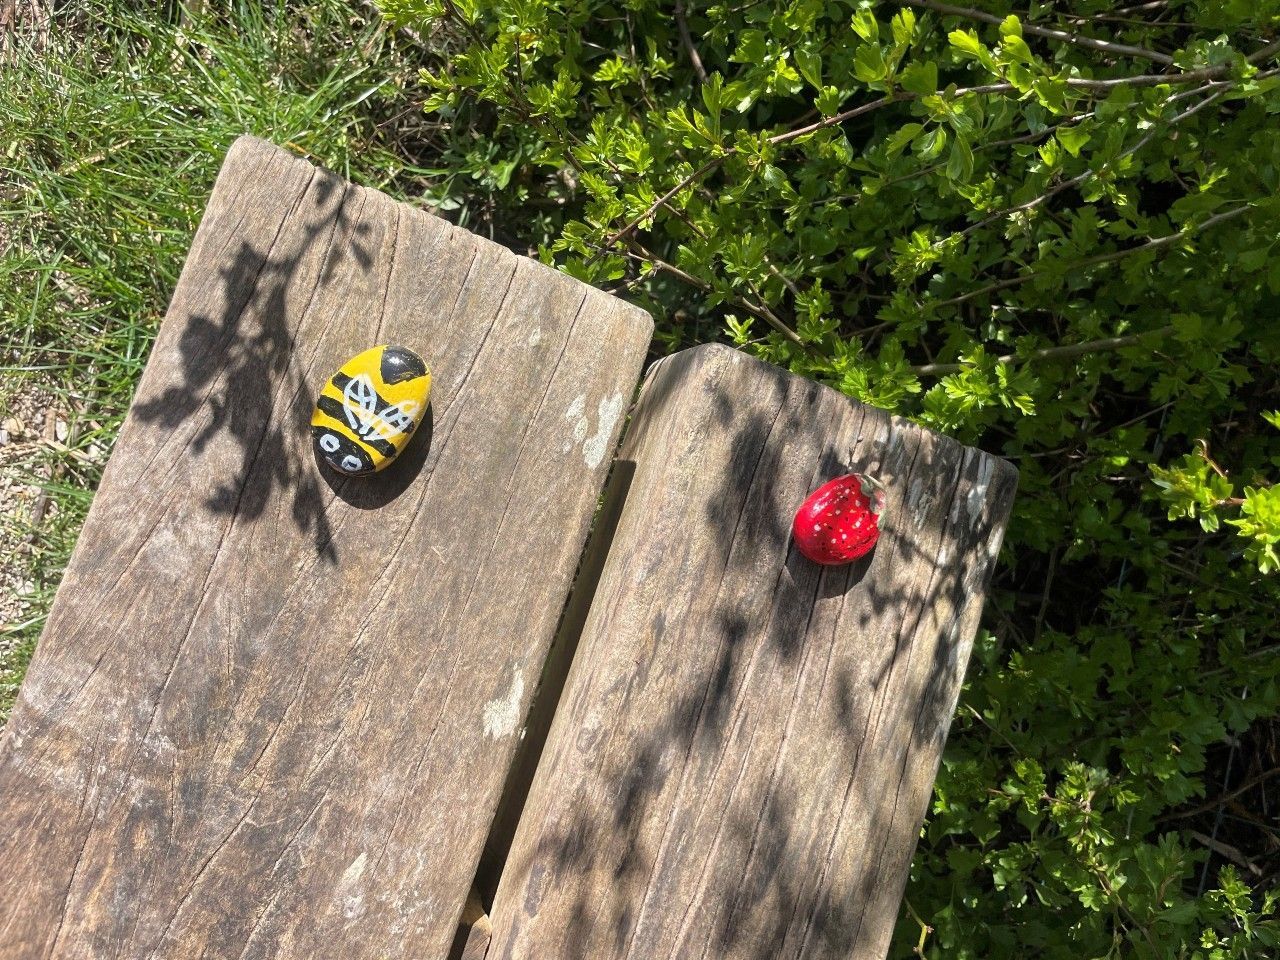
(368, 411)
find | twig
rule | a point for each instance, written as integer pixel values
(1222, 800)
(1213, 221)
(1044, 600)
(836, 118)
(1123, 907)
(1213, 464)
(1189, 76)
(1217, 820)
(1130, 21)
(759, 310)
(1086, 174)
(1155, 244)
(1047, 353)
(1228, 851)
(682, 25)
(904, 96)
(1107, 46)
(994, 144)
(59, 447)
(687, 182)
(1152, 5)
(716, 161)
(925, 929)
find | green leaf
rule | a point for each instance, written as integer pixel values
(966, 41)
(828, 101)
(1011, 26)
(1014, 47)
(868, 63)
(712, 99)
(931, 144)
(960, 163)
(809, 63)
(739, 330)
(904, 26)
(919, 78)
(1073, 138)
(751, 49)
(865, 25)
(898, 140)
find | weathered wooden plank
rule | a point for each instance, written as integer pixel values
(746, 743)
(272, 709)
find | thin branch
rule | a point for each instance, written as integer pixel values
(992, 145)
(1159, 242)
(1044, 600)
(717, 161)
(1049, 353)
(904, 96)
(1107, 46)
(686, 38)
(1131, 21)
(1086, 174)
(684, 184)
(759, 310)
(645, 256)
(1152, 5)
(1155, 244)
(1228, 851)
(1155, 79)
(837, 118)
(1140, 80)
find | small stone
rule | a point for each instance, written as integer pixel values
(368, 410)
(13, 427)
(60, 430)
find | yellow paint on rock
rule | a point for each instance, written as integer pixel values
(367, 411)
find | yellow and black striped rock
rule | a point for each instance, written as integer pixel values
(369, 409)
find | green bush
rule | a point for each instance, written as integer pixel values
(1051, 236)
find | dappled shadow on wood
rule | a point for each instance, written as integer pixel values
(779, 871)
(245, 376)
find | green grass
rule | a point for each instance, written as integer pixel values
(110, 140)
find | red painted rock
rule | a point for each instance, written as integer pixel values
(840, 521)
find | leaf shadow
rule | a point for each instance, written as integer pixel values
(776, 879)
(243, 372)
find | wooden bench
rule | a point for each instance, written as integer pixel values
(279, 714)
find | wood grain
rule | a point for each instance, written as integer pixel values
(747, 741)
(272, 709)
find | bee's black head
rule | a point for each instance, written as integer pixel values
(400, 364)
